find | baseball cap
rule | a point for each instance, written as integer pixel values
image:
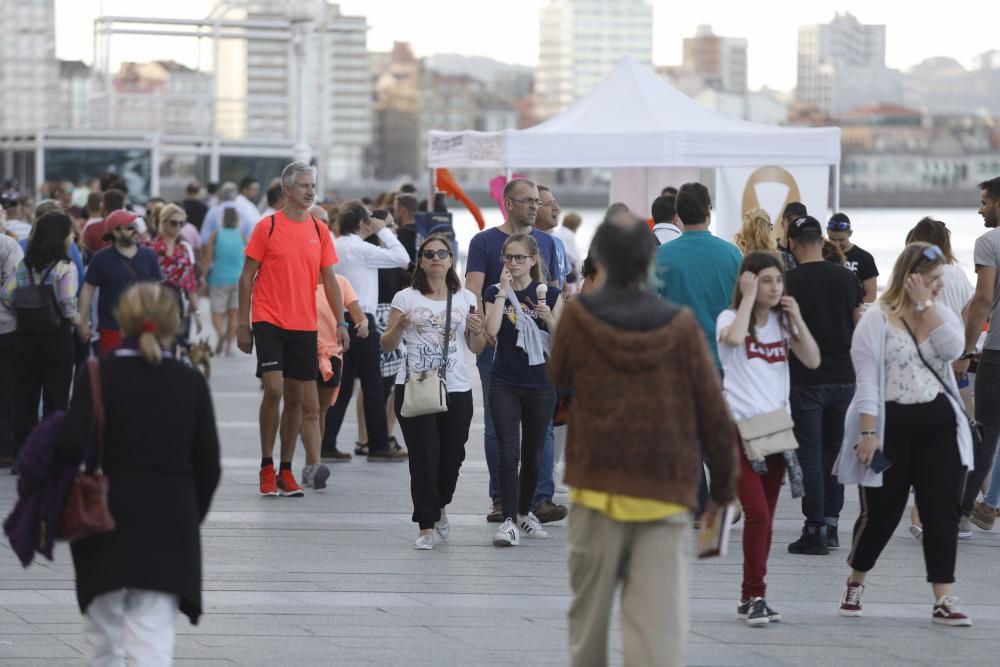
(794, 210)
(117, 219)
(839, 222)
(803, 226)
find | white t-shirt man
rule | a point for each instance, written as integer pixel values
(755, 374)
(424, 337)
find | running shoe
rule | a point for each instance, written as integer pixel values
(287, 486)
(268, 483)
(424, 543)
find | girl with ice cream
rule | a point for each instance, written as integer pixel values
(521, 398)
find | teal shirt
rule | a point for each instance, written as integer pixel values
(227, 263)
(699, 270)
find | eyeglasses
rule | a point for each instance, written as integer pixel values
(838, 226)
(176, 223)
(528, 200)
(933, 254)
(436, 254)
(128, 228)
(516, 259)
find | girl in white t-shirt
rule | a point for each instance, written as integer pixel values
(435, 442)
(754, 337)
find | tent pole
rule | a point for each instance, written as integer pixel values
(432, 186)
(836, 187)
(508, 173)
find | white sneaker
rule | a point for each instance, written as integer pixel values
(307, 476)
(442, 526)
(507, 536)
(532, 527)
(964, 527)
(424, 543)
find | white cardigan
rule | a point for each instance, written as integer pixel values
(868, 357)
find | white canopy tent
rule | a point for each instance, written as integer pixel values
(635, 119)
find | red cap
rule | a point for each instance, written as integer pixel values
(117, 219)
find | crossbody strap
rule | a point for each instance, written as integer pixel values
(447, 337)
(947, 389)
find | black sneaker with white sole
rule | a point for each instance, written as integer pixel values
(743, 610)
(757, 613)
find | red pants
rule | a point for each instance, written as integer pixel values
(759, 496)
(111, 340)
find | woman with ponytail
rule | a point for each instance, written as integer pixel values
(162, 468)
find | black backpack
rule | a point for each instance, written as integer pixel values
(36, 305)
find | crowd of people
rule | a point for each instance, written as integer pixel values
(635, 367)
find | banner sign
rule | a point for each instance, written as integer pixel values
(465, 149)
(770, 187)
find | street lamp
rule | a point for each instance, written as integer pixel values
(302, 14)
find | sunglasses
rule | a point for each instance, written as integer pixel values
(436, 254)
(933, 254)
(515, 259)
(176, 223)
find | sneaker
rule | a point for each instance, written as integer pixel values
(495, 514)
(743, 610)
(268, 483)
(442, 526)
(946, 612)
(287, 486)
(812, 543)
(335, 455)
(832, 540)
(507, 536)
(424, 543)
(547, 511)
(757, 613)
(983, 516)
(851, 604)
(531, 527)
(320, 474)
(965, 527)
(917, 532)
(307, 476)
(390, 455)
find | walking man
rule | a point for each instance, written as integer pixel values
(284, 259)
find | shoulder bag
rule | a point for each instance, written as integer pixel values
(974, 426)
(87, 512)
(426, 392)
(768, 433)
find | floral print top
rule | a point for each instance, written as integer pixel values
(907, 380)
(177, 268)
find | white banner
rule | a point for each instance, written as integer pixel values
(739, 189)
(465, 149)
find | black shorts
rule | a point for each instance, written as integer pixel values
(338, 370)
(291, 352)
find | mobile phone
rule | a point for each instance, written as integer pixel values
(880, 462)
(472, 310)
(380, 213)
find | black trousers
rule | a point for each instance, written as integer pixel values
(521, 417)
(362, 361)
(920, 441)
(987, 414)
(436, 444)
(44, 368)
(8, 383)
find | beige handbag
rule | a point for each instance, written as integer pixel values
(766, 434)
(426, 392)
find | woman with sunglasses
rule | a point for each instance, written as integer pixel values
(436, 442)
(906, 427)
(177, 259)
(522, 399)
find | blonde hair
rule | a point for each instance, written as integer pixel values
(153, 217)
(149, 311)
(910, 261)
(164, 212)
(756, 232)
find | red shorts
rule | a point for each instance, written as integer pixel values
(111, 340)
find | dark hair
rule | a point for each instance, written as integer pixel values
(420, 282)
(755, 262)
(992, 188)
(669, 191)
(110, 180)
(213, 187)
(247, 182)
(833, 254)
(113, 200)
(47, 243)
(94, 202)
(934, 232)
(537, 272)
(625, 253)
(664, 208)
(408, 188)
(839, 217)
(508, 190)
(407, 201)
(794, 210)
(351, 215)
(274, 194)
(693, 204)
(589, 268)
(193, 188)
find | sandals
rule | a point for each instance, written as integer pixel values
(361, 449)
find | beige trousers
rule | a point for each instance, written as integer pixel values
(651, 560)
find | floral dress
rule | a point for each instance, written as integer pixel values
(178, 267)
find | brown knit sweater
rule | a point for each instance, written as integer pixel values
(641, 402)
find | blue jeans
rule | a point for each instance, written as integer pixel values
(987, 414)
(546, 487)
(818, 412)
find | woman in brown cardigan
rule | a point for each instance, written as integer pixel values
(645, 392)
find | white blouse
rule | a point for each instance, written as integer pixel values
(907, 379)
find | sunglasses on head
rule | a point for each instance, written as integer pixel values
(838, 226)
(933, 254)
(436, 254)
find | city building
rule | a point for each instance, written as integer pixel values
(76, 86)
(841, 66)
(29, 71)
(720, 61)
(163, 96)
(396, 146)
(580, 41)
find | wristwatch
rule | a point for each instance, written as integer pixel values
(344, 324)
(967, 355)
(924, 305)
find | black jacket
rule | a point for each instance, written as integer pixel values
(161, 457)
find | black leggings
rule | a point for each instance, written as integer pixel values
(436, 445)
(920, 441)
(44, 370)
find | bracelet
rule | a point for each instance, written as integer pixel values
(344, 324)
(924, 305)
(967, 355)
(863, 433)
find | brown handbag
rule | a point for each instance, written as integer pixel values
(87, 512)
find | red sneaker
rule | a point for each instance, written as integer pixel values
(268, 484)
(287, 486)
(851, 604)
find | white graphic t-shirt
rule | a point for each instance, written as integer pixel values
(755, 374)
(425, 335)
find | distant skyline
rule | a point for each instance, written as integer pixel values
(961, 30)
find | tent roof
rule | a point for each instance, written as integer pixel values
(635, 119)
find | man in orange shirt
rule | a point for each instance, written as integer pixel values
(286, 254)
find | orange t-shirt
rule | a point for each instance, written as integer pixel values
(290, 259)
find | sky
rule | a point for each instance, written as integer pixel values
(960, 29)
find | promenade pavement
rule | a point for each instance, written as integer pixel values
(333, 579)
